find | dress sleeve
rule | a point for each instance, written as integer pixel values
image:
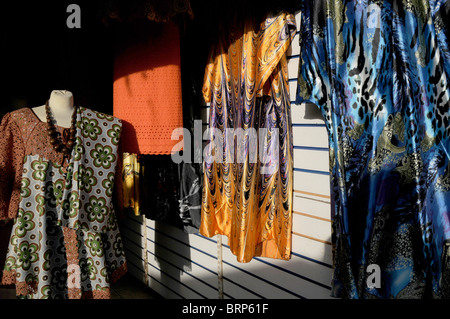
(12, 152)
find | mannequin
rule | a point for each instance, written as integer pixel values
(33, 151)
(61, 104)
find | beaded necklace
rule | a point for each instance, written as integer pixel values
(55, 136)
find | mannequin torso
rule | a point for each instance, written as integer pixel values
(61, 105)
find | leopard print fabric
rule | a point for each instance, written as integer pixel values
(378, 71)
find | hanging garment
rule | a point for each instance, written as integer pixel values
(190, 202)
(147, 91)
(159, 189)
(130, 174)
(65, 241)
(246, 83)
(378, 71)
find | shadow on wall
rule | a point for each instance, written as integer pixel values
(262, 278)
(186, 266)
(312, 112)
(307, 275)
(175, 259)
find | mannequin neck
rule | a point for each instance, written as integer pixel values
(61, 106)
(61, 103)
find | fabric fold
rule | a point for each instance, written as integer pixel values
(378, 71)
(247, 86)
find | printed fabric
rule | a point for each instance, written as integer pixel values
(161, 190)
(190, 197)
(378, 71)
(65, 240)
(130, 175)
(247, 86)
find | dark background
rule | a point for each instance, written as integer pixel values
(39, 53)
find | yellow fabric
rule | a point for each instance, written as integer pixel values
(131, 171)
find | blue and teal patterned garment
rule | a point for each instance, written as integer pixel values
(379, 72)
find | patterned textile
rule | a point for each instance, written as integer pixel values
(379, 71)
(247, 84)
(130, 175)
(159, 187)
(147, 92)
(65, 241)
(190, 197)
(162, 190)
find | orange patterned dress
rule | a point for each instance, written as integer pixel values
(246, 83)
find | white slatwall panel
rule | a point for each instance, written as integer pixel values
(133, 237)
(179, 265)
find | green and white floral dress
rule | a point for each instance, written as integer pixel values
(65, 240)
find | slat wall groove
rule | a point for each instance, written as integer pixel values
(312, 238)
(312, 194)
(311, 216)
(179, 265)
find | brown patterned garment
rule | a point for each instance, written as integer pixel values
(65, 241)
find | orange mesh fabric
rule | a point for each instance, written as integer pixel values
(12, 151)
(147, 88)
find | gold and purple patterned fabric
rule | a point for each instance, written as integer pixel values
(246, 84)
